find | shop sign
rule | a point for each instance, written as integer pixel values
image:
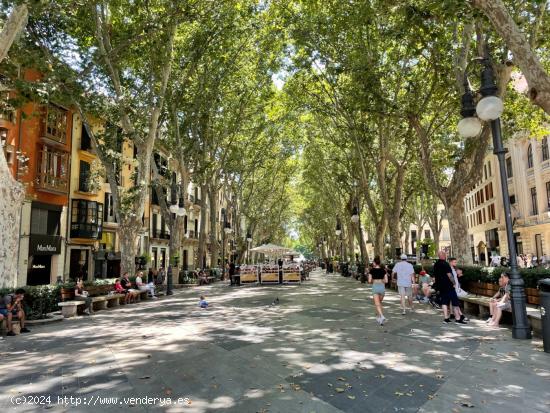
(45, 245)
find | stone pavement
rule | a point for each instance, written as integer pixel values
(319, 350)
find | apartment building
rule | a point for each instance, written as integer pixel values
(528, 176)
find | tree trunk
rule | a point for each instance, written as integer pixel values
(395, 239)
(213, 201)
(436, 236)
(12, 192)
(12, 27)
(202, 233)
(362, 244)
(459, 232)
(351, 243)
(379, 240)
(128, 232)
(524, 56)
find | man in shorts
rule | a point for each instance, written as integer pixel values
(445, 285)
(12, 305)
(405, 279)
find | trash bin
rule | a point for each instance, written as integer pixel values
(544, 292)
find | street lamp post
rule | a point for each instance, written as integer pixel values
(489, 108)
(226, 231)
(339, 235)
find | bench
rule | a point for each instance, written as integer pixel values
(69, 308)
(479, 306)
(4, 324)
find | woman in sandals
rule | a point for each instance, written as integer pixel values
(378, 277)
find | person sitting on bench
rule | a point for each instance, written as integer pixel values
(131, 294)
(500, 301)
(150, 287)
(81, 295)
(10, 305)
(203, 278)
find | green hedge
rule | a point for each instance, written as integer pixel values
(530, 276)
(43, 299)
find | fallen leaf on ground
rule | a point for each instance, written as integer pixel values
(341, 378)
(339, 390)
(351, 397)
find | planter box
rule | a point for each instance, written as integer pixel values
(531, 299)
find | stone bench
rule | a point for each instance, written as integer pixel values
(69, 308)
(479, 306)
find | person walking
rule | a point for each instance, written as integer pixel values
(405, 279)
(444, 282)
(378, 277)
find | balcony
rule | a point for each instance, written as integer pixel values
(52, 173)
(158, 234)
(89, 231)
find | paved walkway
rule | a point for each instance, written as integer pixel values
(318, 350)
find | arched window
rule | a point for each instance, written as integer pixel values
(545, 154)
(530, 156)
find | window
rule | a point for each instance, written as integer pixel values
(84, 177)
(185, 224)
(9, 150)
(530, 156)
(52, 170)
(86, 219)
(509, 170)
(45, 221)
(492, 213)
(489, 168)
(161, 164)
(548, 195)
(534, 206)
(56, 124)
(108, 210)
(485, 170)
(545, 154)
(85, 140)
(484, 216)
(413, 235)
(155, 226)
(196, 227)
(512, 199)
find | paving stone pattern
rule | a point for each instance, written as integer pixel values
(318, 350)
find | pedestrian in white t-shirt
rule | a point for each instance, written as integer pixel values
(405, 278)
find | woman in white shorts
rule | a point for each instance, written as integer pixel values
(378, 277)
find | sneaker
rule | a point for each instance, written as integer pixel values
(378, 319)
(11, 334)
(403, 312)
(382, 320)
(461, 321)
(452, 317)
(25, 330)
(489, 320)
(447, 320)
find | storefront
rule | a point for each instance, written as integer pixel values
(42, 248)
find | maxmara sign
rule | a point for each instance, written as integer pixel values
(44, 245)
